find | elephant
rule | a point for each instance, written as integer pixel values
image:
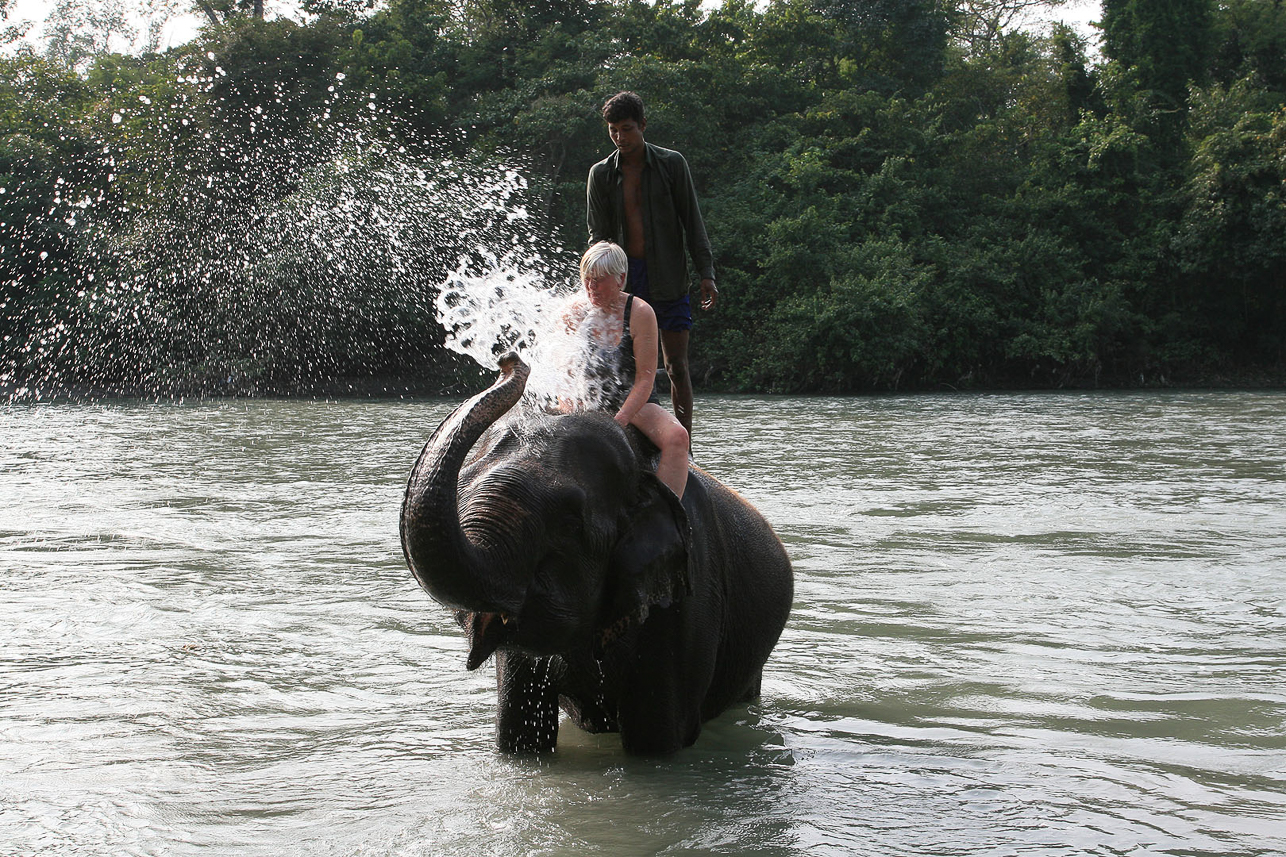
(598, 591)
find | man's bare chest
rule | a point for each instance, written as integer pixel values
(632, 187)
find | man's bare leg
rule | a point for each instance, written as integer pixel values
(674, 347)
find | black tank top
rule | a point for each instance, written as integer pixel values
(626, 366)
(621, 366)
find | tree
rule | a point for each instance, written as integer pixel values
(1166, 43)
(890, 45)
(46, 171)
(347, 9)
(980, 24)
(793, 36)
(1250, 39)
(13, 32)
(1229, 239)
(220, 11)
(901, 193)
(76, 32)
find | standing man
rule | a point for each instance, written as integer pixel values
(641, 197)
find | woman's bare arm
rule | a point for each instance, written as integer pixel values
(643, 328)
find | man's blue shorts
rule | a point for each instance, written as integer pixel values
(670, 315)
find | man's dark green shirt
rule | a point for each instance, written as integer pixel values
(671, 218)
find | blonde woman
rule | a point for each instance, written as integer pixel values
(621, 329)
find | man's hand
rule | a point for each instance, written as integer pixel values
(709, 294)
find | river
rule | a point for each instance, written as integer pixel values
(1038, 624)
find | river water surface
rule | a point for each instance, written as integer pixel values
(1024, 624)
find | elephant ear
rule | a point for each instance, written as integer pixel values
(650, 561)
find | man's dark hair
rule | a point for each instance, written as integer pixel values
(623, 106)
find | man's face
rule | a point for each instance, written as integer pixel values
(627, 135)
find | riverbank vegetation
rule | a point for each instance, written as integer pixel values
(901, 194)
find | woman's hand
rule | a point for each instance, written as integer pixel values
(573, 315)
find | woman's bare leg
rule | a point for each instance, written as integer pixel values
(671, 438)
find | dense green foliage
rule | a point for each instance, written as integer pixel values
(892, 205)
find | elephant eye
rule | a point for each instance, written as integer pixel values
(569, 510)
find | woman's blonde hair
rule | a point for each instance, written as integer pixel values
(603, 259)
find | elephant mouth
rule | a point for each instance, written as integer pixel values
(487, 632)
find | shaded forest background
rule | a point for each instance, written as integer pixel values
(902, 194)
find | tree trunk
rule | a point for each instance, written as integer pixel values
(205, 7)
(259, 9)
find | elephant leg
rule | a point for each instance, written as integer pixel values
(527, 709)
(655, 717)
(660, 698)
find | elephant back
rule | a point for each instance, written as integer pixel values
(749, 575)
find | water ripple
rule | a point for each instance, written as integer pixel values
(1024, 624)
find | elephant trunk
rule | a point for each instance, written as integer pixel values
(445, 561)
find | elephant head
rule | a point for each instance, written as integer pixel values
(549, 536)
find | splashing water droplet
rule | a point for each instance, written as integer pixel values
(287, 245)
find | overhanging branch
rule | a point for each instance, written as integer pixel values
(205, 7)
